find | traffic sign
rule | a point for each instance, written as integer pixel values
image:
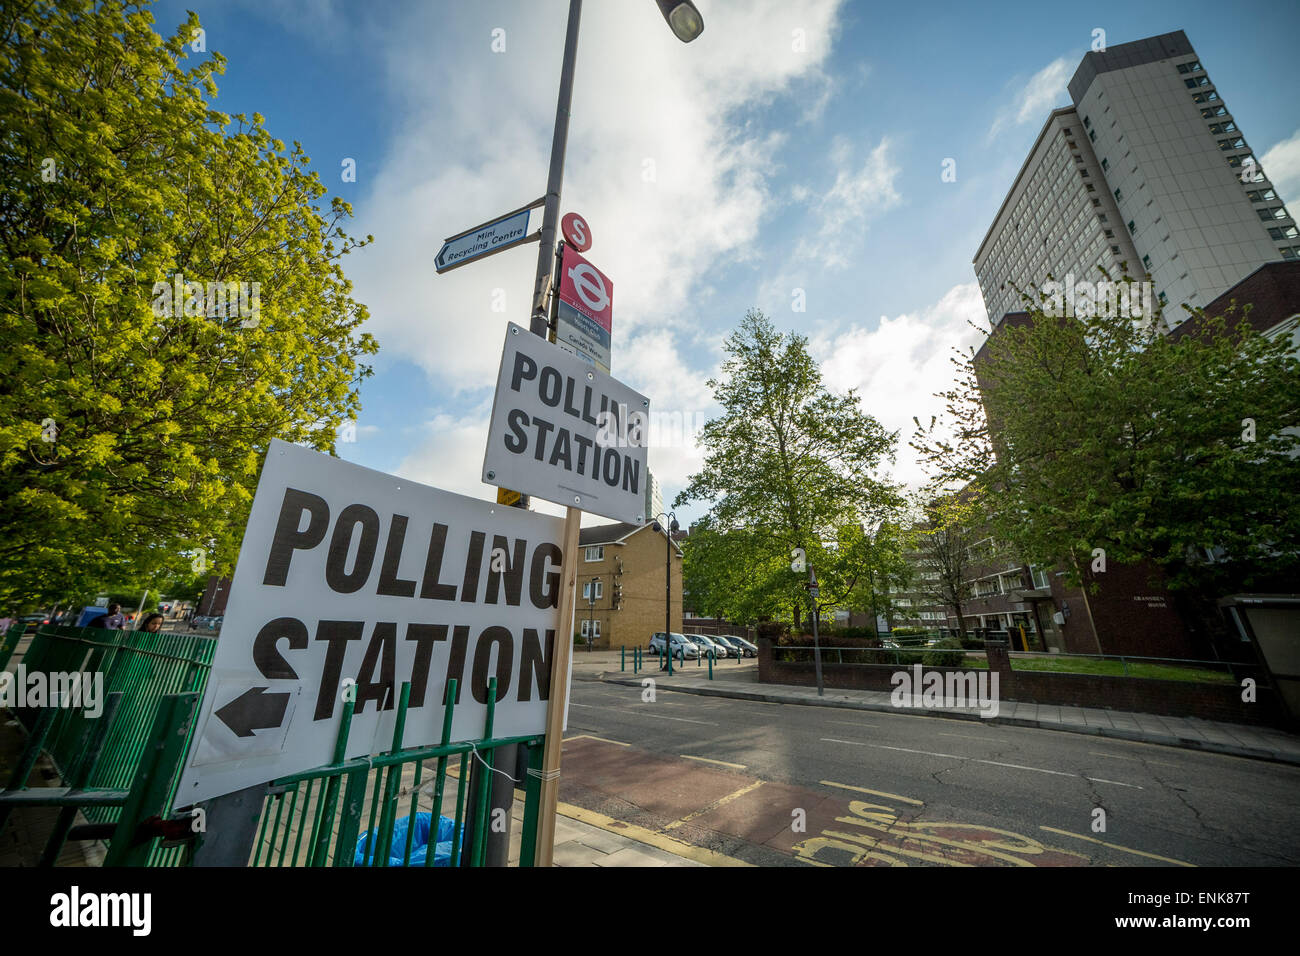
(585, 311)
(576, 231)
(351, 582)
(566, 432)
(507, 497)
(486, 239)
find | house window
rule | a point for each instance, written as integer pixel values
(1131, 228)
(1288, 232)
(1261, 195)
(1118, 195)
(599, 586)
(591, 629)
(595, 554)
(1227, 144)
(1105, 165)
(1196, 81)
(1092, 135)
(1087, 123)
(1193, 67)
(1146, 261)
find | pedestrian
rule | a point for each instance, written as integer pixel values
(115, 619)
(6, 622)
(152, 623)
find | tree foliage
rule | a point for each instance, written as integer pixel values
(788, 465)
(1099, 431)
(132, 428)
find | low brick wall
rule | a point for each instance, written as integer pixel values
(1169, 698)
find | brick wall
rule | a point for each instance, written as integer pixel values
(1136, 694)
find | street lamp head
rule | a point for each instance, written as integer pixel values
(684, 19)
(675, 526)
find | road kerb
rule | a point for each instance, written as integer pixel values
(659, 841)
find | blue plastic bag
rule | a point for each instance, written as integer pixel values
(419, 845)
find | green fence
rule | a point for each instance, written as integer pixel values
(303, 823)
(120, 770)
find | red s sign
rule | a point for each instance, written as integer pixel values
(576, 231)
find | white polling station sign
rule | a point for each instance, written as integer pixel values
(349, 576)
(565, 431)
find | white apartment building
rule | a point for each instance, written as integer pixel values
(654, 499)
(1147, 169)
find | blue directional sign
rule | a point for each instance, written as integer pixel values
(485, 240)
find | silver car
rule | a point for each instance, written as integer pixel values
(682, 647)
(707, 644)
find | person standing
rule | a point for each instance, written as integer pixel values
(115, 619)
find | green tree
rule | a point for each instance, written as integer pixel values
(788, 465)
(133, 420)
(1098, 433)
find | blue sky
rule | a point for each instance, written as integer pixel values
(794, 146)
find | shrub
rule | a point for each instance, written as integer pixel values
(947, 653)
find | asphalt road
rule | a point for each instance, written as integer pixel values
(778, 784)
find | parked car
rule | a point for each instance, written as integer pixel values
(681, 647)
(743, 647)
(723, 641)
(32, 621)
(706, 644)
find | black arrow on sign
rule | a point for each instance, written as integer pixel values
(254, 710)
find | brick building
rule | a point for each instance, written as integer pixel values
(621, 572)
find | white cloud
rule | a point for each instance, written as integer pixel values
(672, 188)
(1282, 166)
(899, 365)
(1044, 90)
(861, 192)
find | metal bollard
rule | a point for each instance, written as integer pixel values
(710, 665)
(622, 658)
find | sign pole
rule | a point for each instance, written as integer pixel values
(555, 180)
(559, 690)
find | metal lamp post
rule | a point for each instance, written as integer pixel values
(668, 527)
(686, 24)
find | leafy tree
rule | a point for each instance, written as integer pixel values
(788, 466)
(943, 552)
(135, 409)
(1100, 432)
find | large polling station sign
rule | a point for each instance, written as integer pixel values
(584, 314)
(566, 432)
(351, 582)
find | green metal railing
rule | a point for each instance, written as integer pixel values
(133, 840)
(302, 824)
(120, 769)
(104, 754)
(143, 666)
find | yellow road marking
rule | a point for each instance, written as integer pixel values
(720, 802)
(1116, 846)
(697, 854)
(723, 763)
(874, 793)
(604, 740)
